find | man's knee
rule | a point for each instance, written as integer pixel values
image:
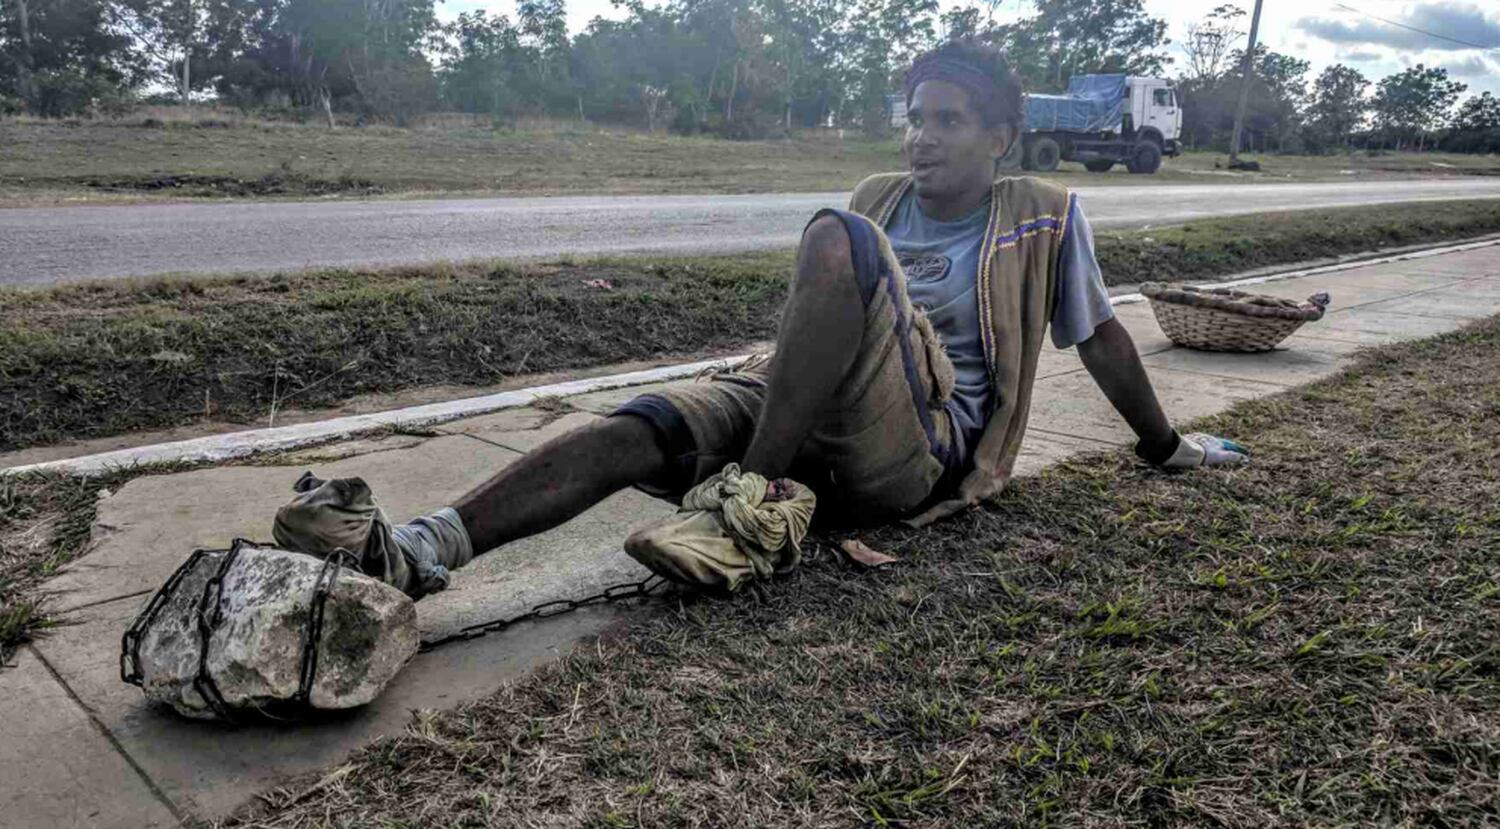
(826, 243)
(825, 259)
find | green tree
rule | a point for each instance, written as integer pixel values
(1273, 110)
(1337, 106)
(1476, 127)
(1278, 93)
(1076, 37)
(1408, 104)
(62, 56)
(1479, 112)
(172, 33)
(883, 37)
(1210, 41)
(484, 61)
(369, 56)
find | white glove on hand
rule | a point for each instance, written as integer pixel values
(1198, 449)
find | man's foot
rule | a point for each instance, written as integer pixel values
(342, 514)
(734, 527)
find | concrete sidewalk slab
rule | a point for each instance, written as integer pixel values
(1073, 405)
(1367, 326)
(153, 522)
(58, 768)
(495, 431)
(1353, 290)
(1041, 449)
(1296, 360)
(1470, 263)
(151, 525)
(208, 769)
(1140, 321)
(1455, 302)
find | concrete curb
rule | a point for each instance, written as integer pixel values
(1130, 299)
(282, 438)
(258, 441)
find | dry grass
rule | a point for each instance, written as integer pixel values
(166, 152)
(1310, 641)
(45, 522)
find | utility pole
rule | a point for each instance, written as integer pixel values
(1246, 72)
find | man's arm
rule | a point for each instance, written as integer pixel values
(1113, 362)
(1084, 317)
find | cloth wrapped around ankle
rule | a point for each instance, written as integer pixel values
(733, 527)
(413, 557)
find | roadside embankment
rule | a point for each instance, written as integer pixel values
(101, 359)
(223, 155)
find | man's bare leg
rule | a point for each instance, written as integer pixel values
(819, 338)
(820, 332)
(560, 479)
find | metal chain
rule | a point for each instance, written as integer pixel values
(130, 655)
(332, 563)
(610, 595)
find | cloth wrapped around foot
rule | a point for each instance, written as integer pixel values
(342, 513)
(734, 527)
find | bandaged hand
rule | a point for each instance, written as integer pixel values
(1198, 449)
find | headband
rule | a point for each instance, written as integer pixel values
(980, 86)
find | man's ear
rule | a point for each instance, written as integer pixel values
(1000, 141)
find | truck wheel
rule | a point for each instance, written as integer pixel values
(1014, 157)
(1043, 154)
(1145, 159)
(1099, 165)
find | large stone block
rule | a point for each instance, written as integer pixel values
(260, 618)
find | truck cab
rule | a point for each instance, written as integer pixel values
(1154, 111)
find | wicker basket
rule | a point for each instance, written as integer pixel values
(1220, 319)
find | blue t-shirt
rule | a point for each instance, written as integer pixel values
(941, 261)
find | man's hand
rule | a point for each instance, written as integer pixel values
(1112, 361)
(1198, 449)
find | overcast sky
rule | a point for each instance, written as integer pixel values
(1316, 30)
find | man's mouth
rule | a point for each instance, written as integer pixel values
(925, 165)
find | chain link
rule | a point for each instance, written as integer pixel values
(610, 595)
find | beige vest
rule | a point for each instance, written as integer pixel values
(1017, 292)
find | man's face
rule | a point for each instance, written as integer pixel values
(950, 150)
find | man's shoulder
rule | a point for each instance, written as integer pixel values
(1032, 197)
(874, 191)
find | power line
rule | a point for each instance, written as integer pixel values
(1415, 29)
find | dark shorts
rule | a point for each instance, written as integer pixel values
(885, 446)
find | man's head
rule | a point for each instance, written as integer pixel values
(963, 108)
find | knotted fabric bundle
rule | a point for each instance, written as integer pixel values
(342, 513)
(733, 527)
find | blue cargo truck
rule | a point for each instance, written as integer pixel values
(1101, 121)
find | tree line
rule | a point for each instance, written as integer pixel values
(736, 68)
(1337, 110)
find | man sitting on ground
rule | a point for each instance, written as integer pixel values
(899, 388)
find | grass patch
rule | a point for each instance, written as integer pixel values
(45, 521)
(106, 358)
(92, 159)
(223, 155)
(1311, 640)
(1213, 247)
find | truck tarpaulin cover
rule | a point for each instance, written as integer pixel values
(1093, 103)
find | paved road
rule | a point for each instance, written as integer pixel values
(48, 245)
